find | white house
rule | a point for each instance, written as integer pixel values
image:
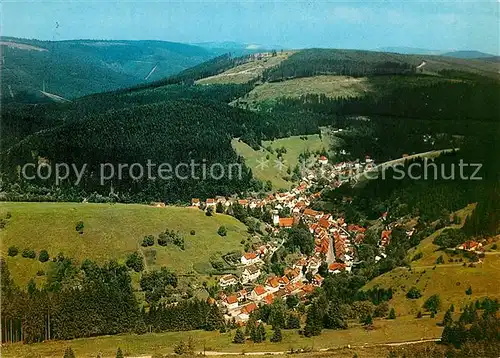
(249, 258)
(227, 280)
(251, 273)
(323, 160)
(258, 293)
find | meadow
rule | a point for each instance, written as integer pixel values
(112, 231)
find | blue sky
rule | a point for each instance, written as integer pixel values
(442, 25)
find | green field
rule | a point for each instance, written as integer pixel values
(294, 146)
(399, 330)
(111, 232)
(245, 72)
(331, 86)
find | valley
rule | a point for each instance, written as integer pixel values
(290, 255)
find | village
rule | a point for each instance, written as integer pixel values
(333, 237)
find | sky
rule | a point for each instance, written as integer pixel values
(438, 25)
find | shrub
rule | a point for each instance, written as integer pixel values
(193, 232)
(40, 273)
(433, 303)
(413, 293)
(68, 353)
(440, 260)
(29, 254)
(239, 337)
(392, 314)
(135, 262)
(8, 215)
(468, 291)
(276, 337)
(419, 314)
(119, 353)
(222, 231)
(13, 251)
(79, 227)
(43, 256)
(148, 241)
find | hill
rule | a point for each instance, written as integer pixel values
(113, 232)
(467, 54)
(75, 68)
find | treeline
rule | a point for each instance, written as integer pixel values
(453, 100)
(313, 62)
(93, 300)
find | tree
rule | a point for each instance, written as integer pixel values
(292, 301)
(293, 321)
(214, 319)
(209, 212)
(367, 321)
(413, 293)
(43, 256)
(259, 333)
(433, 303)
(219, 208)
(68, 353)
(301, 239)
(180, 348)
(222, 231)
(314, 321)
(119, 353)
(447, 319)
(148, 241)
(276, 337)
(13, 251)
(419, 314)
(381, 310)
(239, 337)
(392, 314)
(79, 227)
(135, 262)
(468, 291)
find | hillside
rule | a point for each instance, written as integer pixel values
(75, 68)
(113, 232)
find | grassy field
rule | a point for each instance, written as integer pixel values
(448, 280)
(111, 232)
(399, 330)
(331, 86)
(245, 72)
(294, 146)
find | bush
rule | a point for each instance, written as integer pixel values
(440, 260)
(29, 254)
(79, 227)
(419, 314)
(193, 232)
(222, 231)
(135, 262)
(40, 273)
(413, 293)
(433, 303)
(392, 314)
(468, 291)
(148, 241)
(43, 256)
(13, 251)
(276, 337)
(239, 337)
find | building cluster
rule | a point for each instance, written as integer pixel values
(334, 243)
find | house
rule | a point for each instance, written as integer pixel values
(210, 203)
(470, 246)
(336, 267)
(272, 284)
(249, 258)
(158, 204)
(269, 299)
(314, 264)
(227, 280)
(312, 214)
(243, 202)
(323, 160)
(231, 302)
(258, 293)
(285, 222)
(385, 237)
(195, 202)
(317, 280)
(245, 312)
(251, 273)
(284, 281)
(294, 275)
(242, 295)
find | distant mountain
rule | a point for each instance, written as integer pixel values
(409, 50)
(468, 54)
(236, 48)
(78, 67)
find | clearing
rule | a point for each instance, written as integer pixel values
(247, 71)
(112, 231)
(385, 331)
